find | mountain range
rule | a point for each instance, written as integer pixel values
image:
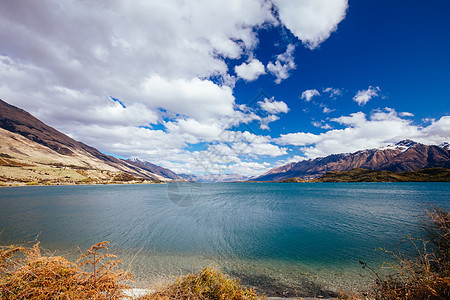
(403, 156)
(215, 177)
(31, 151)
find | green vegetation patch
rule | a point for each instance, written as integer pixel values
(293, 179)
(364, 175)
(125, 177)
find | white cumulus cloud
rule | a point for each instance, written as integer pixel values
(273, 107)
(168, 62)
(309, 94)
(321, 125)
(333, 93)
(362, 97)
(283, 65)
(185, 97)
(250, 71)
(311, 21)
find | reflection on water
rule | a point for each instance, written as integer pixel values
(295, 236)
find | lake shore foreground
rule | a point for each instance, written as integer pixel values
(25, 273)
(299, 239)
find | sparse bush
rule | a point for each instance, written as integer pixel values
(437, 227)
(32, 183)
(26, 274)
(125, 177)
(208, 284)
(427, 276)
(87, 180)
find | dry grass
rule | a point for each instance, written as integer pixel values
(437, 226)
(12, 163)
(208, 284)
(427, 276)
(26, 274)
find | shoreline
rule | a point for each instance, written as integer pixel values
(23, 184)
(135, 293)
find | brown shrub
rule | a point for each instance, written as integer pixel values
(26, 274)
(208, 284)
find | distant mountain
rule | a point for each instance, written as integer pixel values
(404, 156)
(215, 177)
(364, 175)
(145, 165)
(25, 140)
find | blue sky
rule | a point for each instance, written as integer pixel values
(230, 86)
(400, 46)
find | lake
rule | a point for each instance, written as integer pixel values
(304, 237)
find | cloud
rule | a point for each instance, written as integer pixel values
(283, 65)
(437, 132)
(311, 21)
(406, 114)
(333, 93)
(327, 110)
(309, 94)
(185, 97)
(116, 48)
(250, 71)
(362, 97)
(382, 127)
(321, 125)
(132, 141)
(273, 107)
(166, 62)
(233, 153)
(250, 168)
(194, 131)
(354, 119)
(264, 124)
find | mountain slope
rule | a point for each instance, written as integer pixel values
(403, 156)
(145, 165)
(27, 140)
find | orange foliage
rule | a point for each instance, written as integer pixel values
(26, 274)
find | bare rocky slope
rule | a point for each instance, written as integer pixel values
(404, 156)
(29, 149)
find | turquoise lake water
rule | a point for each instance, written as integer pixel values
(304, 237)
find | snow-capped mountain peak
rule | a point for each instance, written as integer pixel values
(445, 146)
(402, 145)
(135, 159)
(406, 143)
